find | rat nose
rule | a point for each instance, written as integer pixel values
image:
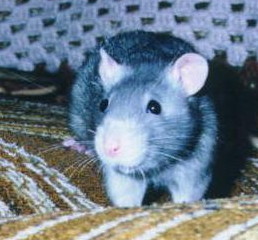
(112, 147)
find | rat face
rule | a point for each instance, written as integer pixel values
(147, 121)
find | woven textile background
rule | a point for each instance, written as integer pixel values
(51, 32)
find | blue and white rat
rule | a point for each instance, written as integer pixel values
(139, 104)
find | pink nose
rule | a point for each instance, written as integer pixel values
(112, 148)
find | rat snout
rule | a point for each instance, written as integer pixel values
(119, 142)
(112, 147)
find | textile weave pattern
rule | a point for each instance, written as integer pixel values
(52, 32)
(214, 220)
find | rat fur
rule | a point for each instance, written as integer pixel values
(177, 149)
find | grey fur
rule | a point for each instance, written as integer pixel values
(181, 142)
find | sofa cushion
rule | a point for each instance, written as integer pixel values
(38, 175)
(217, 220)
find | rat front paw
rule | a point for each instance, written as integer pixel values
(75, 145)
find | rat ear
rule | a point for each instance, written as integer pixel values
(190, 71)
(110, 71)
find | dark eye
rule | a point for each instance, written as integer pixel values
(153, 107)
(103, 105)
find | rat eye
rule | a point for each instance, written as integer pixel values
(103, 105)
(153, 107)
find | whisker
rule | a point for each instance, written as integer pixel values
(77, 169)
(173, 138)
(169, 146)
(23, 76)
(86, 142)
(90, 162)
(74, 164)
(168, 156)
(100, 168)
(91, 131)
(83, 163)
(142, 174)
(49, 148)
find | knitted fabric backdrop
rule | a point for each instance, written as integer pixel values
(50, 32)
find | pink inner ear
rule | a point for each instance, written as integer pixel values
(109, 70)
(191, 70)
(110, 62)
(108, 66)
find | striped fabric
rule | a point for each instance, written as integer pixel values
(217, 220)
(37, 174)
(49, 192)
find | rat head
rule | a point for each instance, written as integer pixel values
(147, 117)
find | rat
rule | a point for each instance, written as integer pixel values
(141, 103)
